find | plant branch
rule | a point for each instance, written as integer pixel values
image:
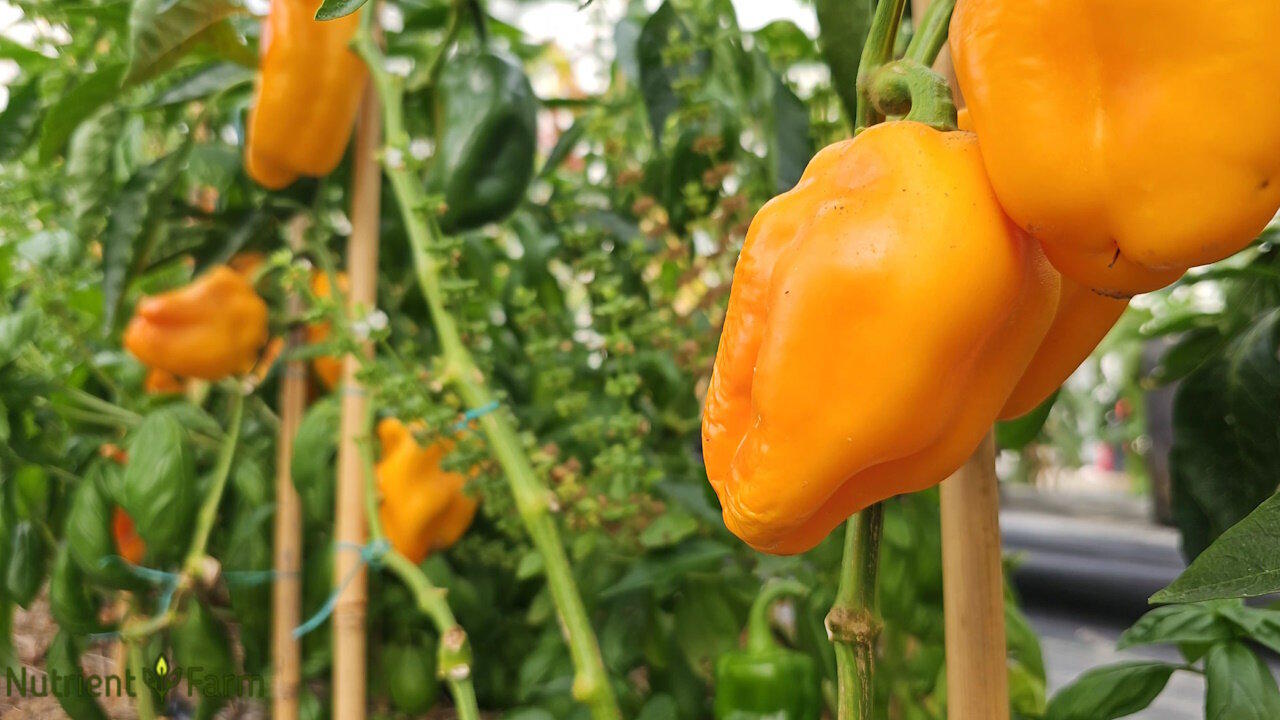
(931, 33)
(852, 624)
(877, 51)
(533, 501)
(208, 513)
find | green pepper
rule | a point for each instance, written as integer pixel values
(767, 680)
(202, 650)
(410, 671)
(486, 138)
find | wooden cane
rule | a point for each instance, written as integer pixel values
(973, 591)
(286, 586)
(349, 681)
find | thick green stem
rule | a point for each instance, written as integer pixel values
(852, 623)
(142, 703)
(208, 514)
(931, 33)
(877, 51)
(591, 684)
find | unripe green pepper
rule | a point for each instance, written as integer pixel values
(486, 137)
(201, 648)
(767, 680)
(410, 671)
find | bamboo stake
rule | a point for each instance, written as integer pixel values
(286, 595)
(973, 591)
(349, 682)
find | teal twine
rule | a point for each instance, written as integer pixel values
(475, 413)
(169, 582)
(370, 555)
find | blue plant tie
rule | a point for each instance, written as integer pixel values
(475, 414)
(371, 555)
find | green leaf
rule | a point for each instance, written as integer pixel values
(88, 169)
(28, 558)
(1026, 691)
(78, 105)
(791, 145)
(158, 488)
(315, 446)
(1239, 686)
(1109, 692)
(668, 529)
(1258, 624)
(1244, 562)
(18, 121)
(87, 530)
(247, 559)
(706, 625)
(69, 600)
(1177, 624)
(659, 707)
(660, 73)
(134, 224)
(1020, 432)
(160, 31)
(205, 81)
(1225, 460)
(666, 567)
(1192, 351)
(565, 144)
(63, 658)
(11, 49)
(842, 30)
(334, 9)
(16, 330)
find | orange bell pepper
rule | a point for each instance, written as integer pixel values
(423, 508)
(881, 314)
(1133, 139)
(211, 328)
(309, 88)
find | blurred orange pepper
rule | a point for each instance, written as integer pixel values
(209, 329)
(160, 382)
(327, 368)
(881, 314)
(129, 544)
(309, 88)
(423, 507)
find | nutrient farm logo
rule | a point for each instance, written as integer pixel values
(161, 678)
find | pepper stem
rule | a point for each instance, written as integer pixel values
(852, 624)
(759, 631)
(907, 87)
(876, 51)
